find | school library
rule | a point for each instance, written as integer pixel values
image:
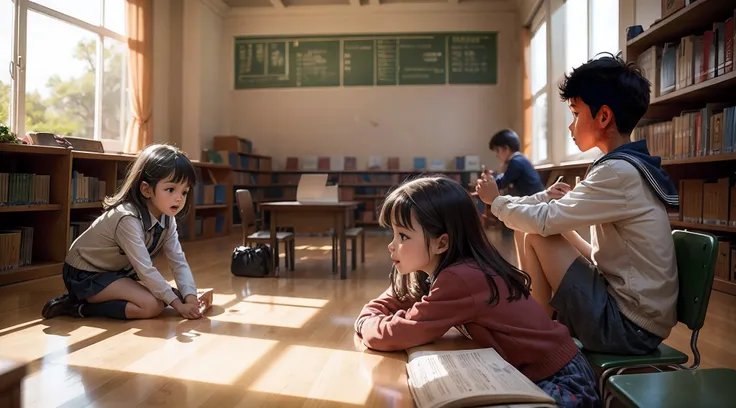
(521, 203)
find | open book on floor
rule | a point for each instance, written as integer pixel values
(470, 378)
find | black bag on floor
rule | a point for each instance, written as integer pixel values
(252, 262)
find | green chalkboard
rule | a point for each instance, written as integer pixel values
(357, 62)
(366, 60)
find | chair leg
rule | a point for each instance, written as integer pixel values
(293, 253)
(334, 254)
(353, 252)
(287, 259)
(362, 248)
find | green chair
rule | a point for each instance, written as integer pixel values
(687, 387)
(696, 258)
(674, 389)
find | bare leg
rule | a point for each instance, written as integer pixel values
(546, 260)
(579, 243)
(519, 242)
(141, 302)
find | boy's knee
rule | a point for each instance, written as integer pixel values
(532, 241)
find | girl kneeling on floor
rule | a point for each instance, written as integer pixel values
(108, 271)
(437, 231)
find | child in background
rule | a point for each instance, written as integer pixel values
(518, 174)
(470, 287)
(618, 293)
(108, 271)
(517, 169)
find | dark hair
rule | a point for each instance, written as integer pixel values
(610, 81)
(154, 164)
(506, 137)
(441, 205)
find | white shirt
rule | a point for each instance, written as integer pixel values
(631, 237)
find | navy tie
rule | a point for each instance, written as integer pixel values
(157, 230)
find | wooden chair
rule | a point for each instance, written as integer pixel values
(696, 258)
(252, 234)
(351, 234)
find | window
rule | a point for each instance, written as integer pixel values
(538, 74)
(7, 17)
(74, 74)
(591, 28)
(576, 52)
(603, 26)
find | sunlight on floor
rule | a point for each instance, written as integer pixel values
(267, 315)
(60, 384)
(205, 357)
(296, 373)
(286, 300)
(313, 248)
(41, 340)
(17, 326)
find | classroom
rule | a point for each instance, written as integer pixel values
(278, 143)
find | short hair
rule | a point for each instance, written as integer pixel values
(506, 137)
(610, 81)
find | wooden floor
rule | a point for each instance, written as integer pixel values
(266, 342)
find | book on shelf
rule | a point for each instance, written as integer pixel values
(24, 188)
(693, 58)
(16, 247)
(469, 378)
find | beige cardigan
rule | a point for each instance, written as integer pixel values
(630, 236)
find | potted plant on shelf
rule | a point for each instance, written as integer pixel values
(6, 136)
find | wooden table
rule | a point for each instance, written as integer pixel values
(313, 217)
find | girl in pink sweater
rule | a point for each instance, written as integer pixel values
(447, 274)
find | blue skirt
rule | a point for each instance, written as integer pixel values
(84, 284)
(574, 386)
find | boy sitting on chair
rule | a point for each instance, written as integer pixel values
(518, 175)
(618, 293)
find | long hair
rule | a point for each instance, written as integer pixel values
(442, 206)
(156, 163)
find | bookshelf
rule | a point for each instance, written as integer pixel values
(255, 172)
(683, 126)
(70, 200)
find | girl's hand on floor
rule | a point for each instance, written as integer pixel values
(189, 310)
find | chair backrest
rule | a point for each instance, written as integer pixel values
(696, 261)
(246, 210)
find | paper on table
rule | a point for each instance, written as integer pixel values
(314, 188)
(461, 376)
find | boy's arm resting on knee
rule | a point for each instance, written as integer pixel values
(129, 237)
(178, 262)
(448, 304)
(599, 199)
(579, 243)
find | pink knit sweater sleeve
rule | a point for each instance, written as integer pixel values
(386, 324)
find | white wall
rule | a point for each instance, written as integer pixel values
(431, 121)
(188, 92)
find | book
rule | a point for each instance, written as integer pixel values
(469, 378)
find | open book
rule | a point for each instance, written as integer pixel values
(470, 378)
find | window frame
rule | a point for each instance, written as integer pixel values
(19, 58)
(540, 21)
(594, 152)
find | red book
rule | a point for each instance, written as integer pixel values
(707, 46)
(728, 35)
